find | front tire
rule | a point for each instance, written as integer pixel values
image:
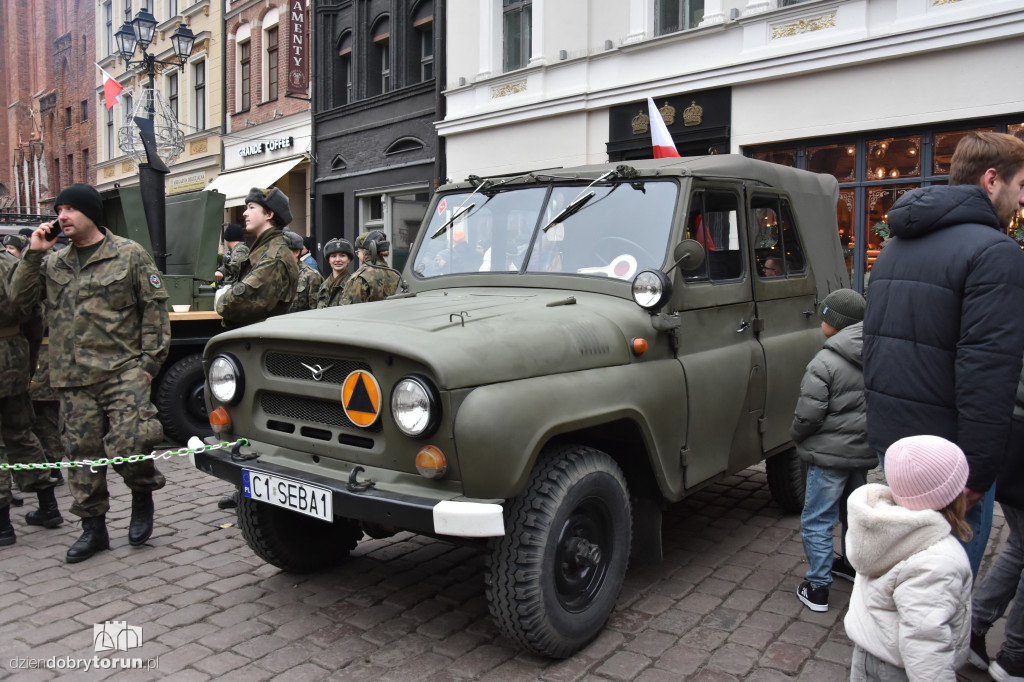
(555, 575)
(787, 480)
(179, 400)
(294, 542)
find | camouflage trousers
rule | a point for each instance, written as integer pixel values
(20, 446)
(47, 429)
(111, 418)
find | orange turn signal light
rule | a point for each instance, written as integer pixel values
(220, 420)
(639, 346)
(431, 462)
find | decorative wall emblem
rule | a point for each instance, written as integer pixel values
(668, 112)
(943, 2)
(197, 146)
(127, 167)
(508, 89)
(108, 172)
(693, 115)
(641, 123)
(808, 25)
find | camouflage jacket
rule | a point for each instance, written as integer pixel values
(266, 282)
(331, 289)
(105, 317)
(372, 282)
(19, 313)
(307, 289)
(232, 263)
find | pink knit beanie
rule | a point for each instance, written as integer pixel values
(925, 472)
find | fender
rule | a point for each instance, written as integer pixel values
(496, 454)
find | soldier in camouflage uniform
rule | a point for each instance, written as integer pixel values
(339, 254)
(310, 279)
(46, 405)
(374, 280)
(268, 278)
(235, 253)
(109, 335)
(20, 327)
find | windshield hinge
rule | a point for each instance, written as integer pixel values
(684, 457)
(762, 425)
(757, 325)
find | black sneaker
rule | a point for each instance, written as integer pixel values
(1006, 669)
(978, 656)
(841, 568)
(814, 598)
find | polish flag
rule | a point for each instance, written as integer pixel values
(663, 145)
(111, 89)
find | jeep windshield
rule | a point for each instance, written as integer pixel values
(611, 230)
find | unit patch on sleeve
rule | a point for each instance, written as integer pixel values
(154, 279)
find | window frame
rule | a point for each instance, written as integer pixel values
(517, 9)
(199, 113)
(173, 87)
(245, 75)
(684, 9)
(272, 62)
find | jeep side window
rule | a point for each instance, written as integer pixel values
(713, 222)
(776, 244)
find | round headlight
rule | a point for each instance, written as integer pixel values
(225, 379)
(651, 289)
(414, 406)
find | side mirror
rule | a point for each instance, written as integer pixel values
(688, 252)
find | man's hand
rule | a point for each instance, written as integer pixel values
(41, 240)
(973, 496)
(218, 276)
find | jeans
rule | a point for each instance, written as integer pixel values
(979, 518)
(1002, 583)
(867, 667)
(824, 504)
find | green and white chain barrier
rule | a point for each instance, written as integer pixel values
(93, 463)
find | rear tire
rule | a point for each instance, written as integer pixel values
(180, 402)
(294, 542)
(787, 480)
(554, 577)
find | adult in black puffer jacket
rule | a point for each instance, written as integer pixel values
(944, 327)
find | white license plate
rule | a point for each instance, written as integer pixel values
(284, 492)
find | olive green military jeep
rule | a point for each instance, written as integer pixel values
(569, 351)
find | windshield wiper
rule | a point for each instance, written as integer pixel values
(482, 185)
(574, 206)
(456, 214)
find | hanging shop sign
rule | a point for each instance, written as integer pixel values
(298, 80)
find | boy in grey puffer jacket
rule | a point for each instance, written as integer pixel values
(831, 436)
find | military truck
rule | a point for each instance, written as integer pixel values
(194, 222)
(569, 351)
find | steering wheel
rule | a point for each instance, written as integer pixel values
(616, 244)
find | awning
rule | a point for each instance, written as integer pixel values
(236, 184)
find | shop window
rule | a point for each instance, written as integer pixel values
(677, 15)
(846, 219)
(343, 71)
(517, 33)
(713, 223)
(777, 248)
(894, 157)
(943, 146)
(839, 160)
(783, 157)
(1016, 130)
(879, 201)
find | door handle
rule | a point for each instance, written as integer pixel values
(743, 326)
(807, 313)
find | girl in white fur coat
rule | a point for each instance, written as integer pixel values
(910, 611)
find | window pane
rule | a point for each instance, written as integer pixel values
(713, 223)
(513, 40)
(894, 157)
(669, 12)
(783, 157)
(694, 13)
(845, 217)
(839, 160)
(794, 253)
(880, 200)
(943, 146)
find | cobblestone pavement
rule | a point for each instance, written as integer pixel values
(720, 607)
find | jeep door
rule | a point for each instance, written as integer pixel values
(722, 360)
(785, 299)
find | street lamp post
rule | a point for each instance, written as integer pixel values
(138, 33)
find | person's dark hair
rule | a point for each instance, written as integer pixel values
(977, 152)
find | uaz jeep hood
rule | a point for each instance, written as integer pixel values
(469, 337)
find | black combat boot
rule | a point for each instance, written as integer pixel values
(48, 515)
(16, 501)
(141, 526)
(94, 539)
(6, 529)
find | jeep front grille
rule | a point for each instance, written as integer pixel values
(327, 412)
(291, 366)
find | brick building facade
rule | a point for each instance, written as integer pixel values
(48, 121)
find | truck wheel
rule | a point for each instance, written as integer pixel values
(553, 578)
(292, 541)
(180, 402)
(787, 480)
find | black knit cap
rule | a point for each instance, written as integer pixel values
(842, 308)
(234, 233)
(273, 200)
(85, 198)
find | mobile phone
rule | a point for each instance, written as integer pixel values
(52, 232)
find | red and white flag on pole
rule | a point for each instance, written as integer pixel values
(662, 141)
(111, 89)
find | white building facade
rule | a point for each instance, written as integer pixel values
(875, 92)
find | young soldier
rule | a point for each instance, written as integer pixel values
(374, 280)
(339, 254)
